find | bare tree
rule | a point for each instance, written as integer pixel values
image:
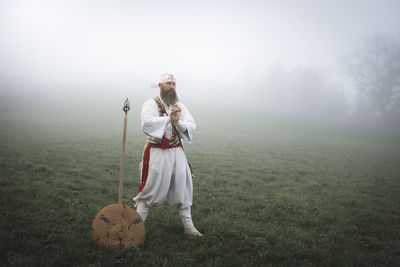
(375, 69)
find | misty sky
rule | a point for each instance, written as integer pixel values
(208, 45)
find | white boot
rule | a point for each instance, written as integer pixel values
(187, 222)
(189, 228)
(142, 209)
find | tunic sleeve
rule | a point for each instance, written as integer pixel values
(186, 125)
(152, 124)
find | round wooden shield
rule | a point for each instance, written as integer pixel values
(116, 225)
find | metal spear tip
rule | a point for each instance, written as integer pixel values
(126, 107)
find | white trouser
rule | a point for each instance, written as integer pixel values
(169, 179)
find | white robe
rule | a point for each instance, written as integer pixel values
(169, 177)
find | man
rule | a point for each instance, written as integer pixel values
(165, 172)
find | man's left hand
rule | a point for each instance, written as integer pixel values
(175, 113)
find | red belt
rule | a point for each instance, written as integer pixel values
(161, 146)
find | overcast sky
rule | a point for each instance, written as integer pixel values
(126, 45)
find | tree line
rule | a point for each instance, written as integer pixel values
(374, 70)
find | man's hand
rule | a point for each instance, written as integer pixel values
(175, 113)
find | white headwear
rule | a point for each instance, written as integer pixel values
(165, 77)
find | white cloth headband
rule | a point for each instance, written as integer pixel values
(166, 77)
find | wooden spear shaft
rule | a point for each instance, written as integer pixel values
(121, 171)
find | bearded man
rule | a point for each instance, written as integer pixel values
(165, 172)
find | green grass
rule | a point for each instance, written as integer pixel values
(270, 191)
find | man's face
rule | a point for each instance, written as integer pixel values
(168, 86)
(167, 92)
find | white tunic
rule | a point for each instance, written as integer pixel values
(169, 177)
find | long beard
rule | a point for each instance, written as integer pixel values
(170, 97)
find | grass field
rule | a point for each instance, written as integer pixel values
(270, 191)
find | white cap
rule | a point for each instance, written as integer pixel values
(165, 77)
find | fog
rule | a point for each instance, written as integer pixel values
(264, 55)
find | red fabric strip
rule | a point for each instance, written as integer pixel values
(165, 142)
(145, 166)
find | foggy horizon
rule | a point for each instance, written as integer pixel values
(220, 52)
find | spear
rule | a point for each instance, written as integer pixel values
(126, 108)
